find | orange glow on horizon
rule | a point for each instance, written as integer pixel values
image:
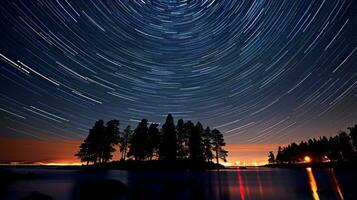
(61, 164)
(43, 164)
(29, 151)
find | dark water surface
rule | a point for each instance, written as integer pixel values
(251, 183)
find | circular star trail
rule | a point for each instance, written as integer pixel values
(261, 71)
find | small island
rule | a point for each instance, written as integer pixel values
(182, 146)
(337, 151)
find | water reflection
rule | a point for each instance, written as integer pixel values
(241, 185)
(335, 184)
(244, 184)
(261, 190)
(197, 185)
(312, 182)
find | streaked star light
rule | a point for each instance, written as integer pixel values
(262, 71)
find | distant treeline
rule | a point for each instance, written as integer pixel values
(183, 141)
(342, 147)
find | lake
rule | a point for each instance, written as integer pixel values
(251, 183)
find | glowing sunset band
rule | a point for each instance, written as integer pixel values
(59, 152)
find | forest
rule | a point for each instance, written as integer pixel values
(338, 148)
(171, 142)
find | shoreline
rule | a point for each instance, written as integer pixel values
(134, 165)
(179, 166)
(317, 165)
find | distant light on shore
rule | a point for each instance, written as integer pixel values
(307, 159)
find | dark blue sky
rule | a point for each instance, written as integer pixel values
(263, 71)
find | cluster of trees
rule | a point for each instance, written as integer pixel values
(183, 141)
(342, 147)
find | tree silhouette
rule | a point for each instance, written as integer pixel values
(139, 141)
(218, 144)
(98, 140)
(353, 135)
(86, 153)
(91, 150)
(271, 157)
(337, 148)
(168, 146)
(335, 153)
(124, 141)
(345, 146)
(195, 143)
(279, 155)
(109, 139)
(182, 140)
(207, 144)
(153, 140)
(171, 143)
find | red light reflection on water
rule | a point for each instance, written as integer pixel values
(241, 185)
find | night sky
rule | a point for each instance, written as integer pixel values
(262, 71)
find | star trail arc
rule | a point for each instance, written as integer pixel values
(261, 71)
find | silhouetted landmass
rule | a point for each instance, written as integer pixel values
(100, 142)
(153, 165)
(7, 176)
(37, 196)
(181, 146)
(336, 151)
(317, 165)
